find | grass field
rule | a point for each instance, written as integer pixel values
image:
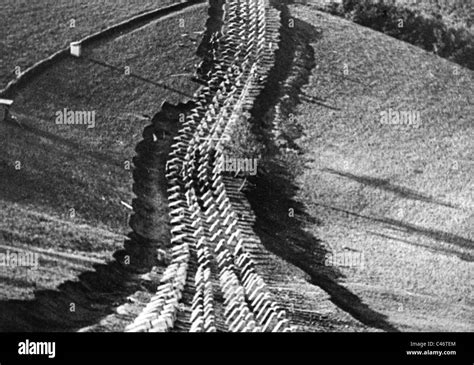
(66, 167)
(34, 29)
(401, 196)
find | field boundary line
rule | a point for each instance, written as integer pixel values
(13, 86)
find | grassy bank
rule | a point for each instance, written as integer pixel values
(401, 195)
(32, 30)
(66, 196)
(445, 30)
(378, 214)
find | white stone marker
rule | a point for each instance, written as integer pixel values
(76, 49)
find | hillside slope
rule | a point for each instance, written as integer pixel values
(397, 197)
(64, 199)
(35, 29)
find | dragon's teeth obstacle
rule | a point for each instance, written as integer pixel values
(205, 233)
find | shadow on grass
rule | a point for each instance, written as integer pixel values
(77, 147)
(120, 71)
(313, 100)
(274, 192)
(47, 178)
(285, 236)
(97, 293)
(386, 185)
(76, 304)
(437, 235)
(462, 255)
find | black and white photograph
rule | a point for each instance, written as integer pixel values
(174, 172)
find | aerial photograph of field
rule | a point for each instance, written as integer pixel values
(237, 166)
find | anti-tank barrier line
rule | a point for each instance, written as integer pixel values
(201, 128)
(256, 278)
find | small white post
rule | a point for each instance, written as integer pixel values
(76, 49)
(5, 105)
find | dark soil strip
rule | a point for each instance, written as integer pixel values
(213, 27)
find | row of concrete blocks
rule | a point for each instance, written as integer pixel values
(160, 313)
(235, 323)
(234, 47)
(242, 9)
(244, 105)
(197, 138)
(257, 316)
(245, 320)
(202, 171)
(235, 76)
(253, 275)
(195, 113)
(178, 211)
(238, 315)
(242, 29)
(235, 27)
(192, 142)
(253, 14)
(263, 67)
(251, 283)
(217, 128)
(175, 203)
(244, 262)
(255, 21)
(183, 139)
(202, 309)
(199, 321)
(268, 315)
